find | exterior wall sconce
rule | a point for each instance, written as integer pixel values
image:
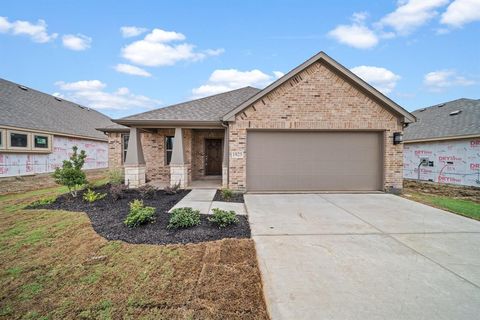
(397, 137)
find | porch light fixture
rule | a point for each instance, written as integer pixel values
(397, 137)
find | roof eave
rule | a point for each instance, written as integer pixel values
(407, 116)
(169, 123)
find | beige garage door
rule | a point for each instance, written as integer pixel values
(308, 161)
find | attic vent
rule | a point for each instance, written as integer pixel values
(454, 113)
(421, 110)
(58, 99)
(23, 88)
(81, 107)
(441, 105)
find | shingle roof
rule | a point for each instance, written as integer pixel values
(436, 121)
(32, 109)
(211, 108)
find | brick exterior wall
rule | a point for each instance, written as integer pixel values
(318, 99)
(115, 160)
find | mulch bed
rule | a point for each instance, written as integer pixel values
(107, 216)
(236, 197)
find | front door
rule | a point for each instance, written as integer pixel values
(213, 157)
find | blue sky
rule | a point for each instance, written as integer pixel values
(418, 52)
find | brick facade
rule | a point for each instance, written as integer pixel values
(318, 99)
(115, 156)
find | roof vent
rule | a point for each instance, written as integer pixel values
(23, 88)
(81, 107)
(421, 110)
(454, 113)
(58, 99)
(441, 105)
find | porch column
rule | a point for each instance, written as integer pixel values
(134, 161)
(178, 167)
(225, 159)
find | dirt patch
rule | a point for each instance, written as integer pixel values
(107, 216)
(236, 197)
(452, 191)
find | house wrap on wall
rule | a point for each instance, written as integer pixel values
(444, 144)
(38, 131)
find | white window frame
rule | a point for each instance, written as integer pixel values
(3, 142)
(29, 142)
(49, 141)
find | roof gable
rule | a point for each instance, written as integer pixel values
(365, 87)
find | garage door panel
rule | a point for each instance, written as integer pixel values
(303, 161)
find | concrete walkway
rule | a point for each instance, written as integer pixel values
(364, 256)
(202, 200)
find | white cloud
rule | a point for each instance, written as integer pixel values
(81, 85)
(278, 74)
(133, 70)
(461, 12)
(357, 34)
(131, 31)
(440, 80)
(411, 14)
(382, 79)
(36, 31)
(91, 93)
(78, 42)
(229, 79)
(156, 50)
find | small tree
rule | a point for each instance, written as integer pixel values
(71, 174)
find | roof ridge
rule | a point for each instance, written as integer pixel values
(188, 101)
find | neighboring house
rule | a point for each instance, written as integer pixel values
(319, 127)
(38, 131)
(447, 138)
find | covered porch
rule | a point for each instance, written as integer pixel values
(194, 156)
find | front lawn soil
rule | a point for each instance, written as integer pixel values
(107, 216)
(236, 197)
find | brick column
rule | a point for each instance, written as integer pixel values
(178, 167)
(225, 160)
(134, 162)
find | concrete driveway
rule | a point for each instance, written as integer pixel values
(364, 256)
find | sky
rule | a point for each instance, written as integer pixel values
(126, 57)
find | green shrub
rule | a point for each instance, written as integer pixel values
(223, 218)
(71, 174)
(41, 202)
(92, 196)
(227, 194)
(115, 176)
(183, 218)
(139, 214)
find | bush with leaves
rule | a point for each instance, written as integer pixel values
(92, 196)
(223, 218)
(41, 202)
(173, 189)
(147, 191)
(117, 191)
(115, 176)
(71, 174)
(183, 218)
(139, 214)
(227, 194)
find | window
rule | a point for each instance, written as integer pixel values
(2, 146)
(125, 138)
(40, 142)
(18, 140)
(168, 149)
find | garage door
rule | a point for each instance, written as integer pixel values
(308, 161)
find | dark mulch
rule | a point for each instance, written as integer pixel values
(107, 216)
(236, 197)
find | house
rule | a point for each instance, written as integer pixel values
(444, 144)
(38, 131)
(319, 127)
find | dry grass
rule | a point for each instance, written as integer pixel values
(54, 266)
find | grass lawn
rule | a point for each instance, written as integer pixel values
(463, 207)
(53, 265)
